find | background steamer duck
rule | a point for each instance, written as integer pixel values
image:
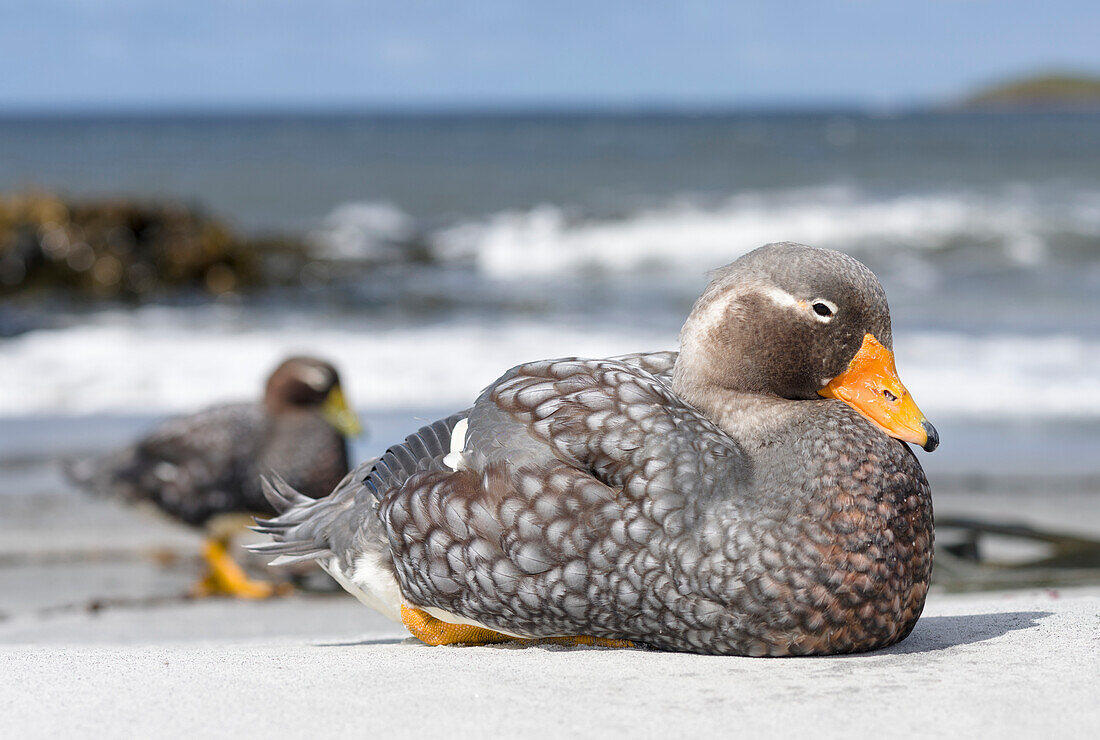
(204, 469)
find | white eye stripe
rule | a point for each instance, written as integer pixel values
(314, 377)
(782, 298)
(779, 297)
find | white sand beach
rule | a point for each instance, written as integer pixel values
(1005, 664)
(97, 641)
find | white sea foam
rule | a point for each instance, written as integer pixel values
(363, 231)
(148, 362)
(682, 234)
(144, 363)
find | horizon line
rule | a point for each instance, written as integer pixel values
(454, 108)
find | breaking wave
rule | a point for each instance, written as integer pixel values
(1014, 225)
(153, 360)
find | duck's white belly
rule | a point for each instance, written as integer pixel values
(370, 583)
(376, 587)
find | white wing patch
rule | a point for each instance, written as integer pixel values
(454, 459)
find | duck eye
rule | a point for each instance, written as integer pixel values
(821, 309)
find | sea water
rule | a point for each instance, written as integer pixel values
(451, 247)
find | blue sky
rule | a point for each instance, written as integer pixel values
(244, 53)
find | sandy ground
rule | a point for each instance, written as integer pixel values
(1020, 664)
(98, 641)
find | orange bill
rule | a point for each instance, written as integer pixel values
(871, 386)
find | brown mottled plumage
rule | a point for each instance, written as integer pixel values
(201, 465)
(709, 501)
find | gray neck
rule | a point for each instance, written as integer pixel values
(751, 418)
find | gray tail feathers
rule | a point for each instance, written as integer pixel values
(302, 528)
(281, 495)
(293, 539)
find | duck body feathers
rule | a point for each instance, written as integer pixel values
(201, 465)
(584, 497)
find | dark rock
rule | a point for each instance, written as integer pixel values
(132, 249)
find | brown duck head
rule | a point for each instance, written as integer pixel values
(307, 383)
(799, 322)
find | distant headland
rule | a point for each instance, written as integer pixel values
(1046, 91)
